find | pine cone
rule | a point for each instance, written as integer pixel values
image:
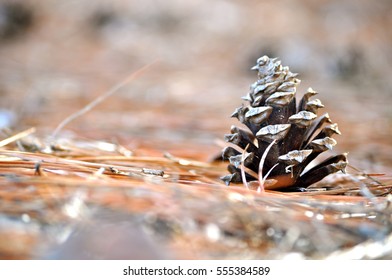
(289, 136)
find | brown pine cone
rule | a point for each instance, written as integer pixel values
(290, 136)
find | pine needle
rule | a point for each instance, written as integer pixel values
(243, 176)
(17, 136)
(100, 98)
(261, 178)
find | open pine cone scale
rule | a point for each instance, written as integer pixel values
(299, 135)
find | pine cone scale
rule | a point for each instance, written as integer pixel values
(274, 116)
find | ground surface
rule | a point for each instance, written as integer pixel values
(56, 57)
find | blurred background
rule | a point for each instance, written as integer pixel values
(57, 56)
